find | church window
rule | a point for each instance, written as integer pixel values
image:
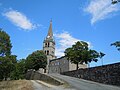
(48, 44)
(45, 44)
(47, 52)
(57, 63)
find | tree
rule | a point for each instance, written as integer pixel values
(80, 53)
(36, 60)
(5, 44)
(116, 44)
(7, 61)
(115, 1)
(7, 66)
(19, 70)
(74, 53)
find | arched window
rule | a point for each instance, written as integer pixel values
(45, 44)
(48, 44)
(47, 52)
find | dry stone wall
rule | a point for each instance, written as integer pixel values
(107, 74)
(34, 75)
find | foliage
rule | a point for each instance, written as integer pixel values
(7, 65)
(5, 44)
(115, 1)
(19, 70)
(36, 60)
(116, 44)
(102, 54)
(7, 61)
(80, 53)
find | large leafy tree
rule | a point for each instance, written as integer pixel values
(7, 61)
(7, 65)
(36, 60)
(116, 44)
(79, 53)
(5, 44)
(19, 70)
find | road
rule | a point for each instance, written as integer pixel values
(80, 84)
(39, 85)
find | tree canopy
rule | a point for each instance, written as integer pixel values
(116, 44)
(7, 61)
(36, 60)
(79, 53)
(7, 65)
(115, 1)
(5, 44)
(19, 70)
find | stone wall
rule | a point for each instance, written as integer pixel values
(34, 75)
(58, 65)
(61, 64)
(107, 74)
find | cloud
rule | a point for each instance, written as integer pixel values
(100, 9)
(64, 40)
(19, 19)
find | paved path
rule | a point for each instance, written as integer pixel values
(39, 85)
(80, 84)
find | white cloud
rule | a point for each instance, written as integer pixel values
(19, 19)
(100, 9)
(64, 40)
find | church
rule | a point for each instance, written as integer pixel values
(54, 64)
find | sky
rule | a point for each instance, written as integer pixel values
(94, 21)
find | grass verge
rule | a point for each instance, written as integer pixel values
(16, 85)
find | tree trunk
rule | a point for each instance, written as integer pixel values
(77, 66)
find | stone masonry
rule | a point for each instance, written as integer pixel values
(107, 74)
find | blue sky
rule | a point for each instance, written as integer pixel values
(93, 21)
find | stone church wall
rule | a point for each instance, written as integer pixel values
(58, 65)
(107, 74)
(62, 65)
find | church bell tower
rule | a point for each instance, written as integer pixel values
(49, 45)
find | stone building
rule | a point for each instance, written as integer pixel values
(56, 65)
(61, 64)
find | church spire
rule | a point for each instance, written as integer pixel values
(50, 33)
(49, 45)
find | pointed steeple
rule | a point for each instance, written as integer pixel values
(50, 33)
(49, 46)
